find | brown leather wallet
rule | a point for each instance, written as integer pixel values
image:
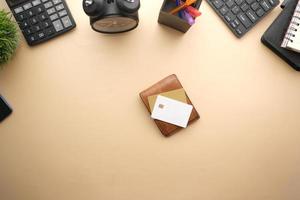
(167, 84)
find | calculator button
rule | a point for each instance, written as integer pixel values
(50, 31)
(30, 13)
(66, 21)
(18, 10)
(56, 1)
(27, 6)
(51, 11)
(54, 17)
(42, 17)
(62, 13)
(32, 38)
(24, 25)
(37, 28)
(36, 2)
(27, 31)
(46, 24)
(41, 35)
(48, 5)
(59, 7)
(58, 25)
(33, 21)
(21, 16)
(244, 19)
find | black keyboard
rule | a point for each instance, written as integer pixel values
(241, 15)
(41, 20)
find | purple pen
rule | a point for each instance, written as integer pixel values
(186, 16)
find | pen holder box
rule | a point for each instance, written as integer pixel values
(171, 20)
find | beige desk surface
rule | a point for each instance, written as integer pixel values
(80, 132)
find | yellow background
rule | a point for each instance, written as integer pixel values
(80, 132)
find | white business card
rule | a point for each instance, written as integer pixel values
(172, 111)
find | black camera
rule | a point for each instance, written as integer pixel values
(112, 16)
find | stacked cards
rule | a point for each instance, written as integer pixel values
(171, 107)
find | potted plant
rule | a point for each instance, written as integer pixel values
(8, 37)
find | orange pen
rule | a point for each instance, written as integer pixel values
(182, 6)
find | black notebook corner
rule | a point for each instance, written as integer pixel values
(273, 37)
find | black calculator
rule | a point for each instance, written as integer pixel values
(41, 20)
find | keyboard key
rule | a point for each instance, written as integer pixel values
(218, 3)
(250, 1)
(272, 2)
(237, 22)
(18, 10)
(244, 7)
(255, 6)
(233, 24)
(244, 19)
(51, 11)
(252, 16)
(59, 7)
(36, 2)
(48, 5)
(229, 16)
(235, 10)
(58, 25)
(239, 2)
(54, 17)
(224, 10)
(40, 9)
(27, 6)
(240, 29)
(260, 12)
(66, 21)
(230, 3)
(56, 1)
(44, 1)
(64, 12)
(266, 6)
